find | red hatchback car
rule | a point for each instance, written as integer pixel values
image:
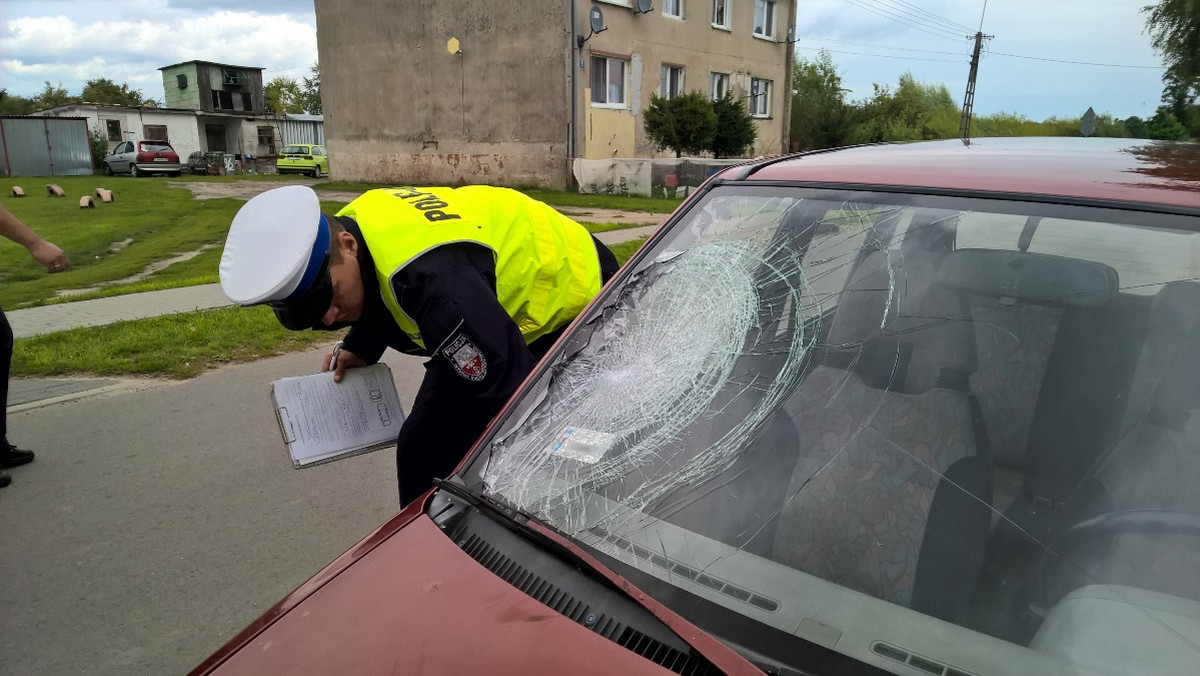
(140, 158)
(918, 408)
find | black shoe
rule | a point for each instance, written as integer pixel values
(5, 479)
(13, 456)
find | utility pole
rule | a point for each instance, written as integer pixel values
(964, 127)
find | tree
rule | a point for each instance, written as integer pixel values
(820, 117)
(52, 97)
(1165, 126)
(1174, 27)
(312, 91)
(735, 129)
(913, 111)
(685, 123)
(283, 95)
(12, 104)
(104, 90)
(1135, 127)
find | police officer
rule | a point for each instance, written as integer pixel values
(480, 279)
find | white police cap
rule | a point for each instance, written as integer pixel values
(276, 247)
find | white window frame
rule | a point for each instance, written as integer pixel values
(727, 21)
(667, 77)
(672, 8)
(715, 78)
(768, 30)
(760, 97)
(608, 60)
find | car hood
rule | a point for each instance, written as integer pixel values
(416, 603)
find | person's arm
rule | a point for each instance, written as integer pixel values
(53, 258)
(451, 293)
(478, 359)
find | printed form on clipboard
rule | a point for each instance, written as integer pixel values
(322, 421)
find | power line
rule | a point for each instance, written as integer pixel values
(904, 17)
(868, 44)
(907, 7)
(1080, 63)
(936, 32)
(884, 56)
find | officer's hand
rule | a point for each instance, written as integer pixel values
(345, 360)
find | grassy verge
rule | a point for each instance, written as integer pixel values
(147, 223)
(175, 346)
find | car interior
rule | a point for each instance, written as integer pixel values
(989, 426)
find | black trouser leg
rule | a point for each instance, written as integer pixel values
(6, 349)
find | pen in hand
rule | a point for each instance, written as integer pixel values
(333, 359)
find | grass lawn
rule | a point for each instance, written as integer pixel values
(147, 223)
(176, 346)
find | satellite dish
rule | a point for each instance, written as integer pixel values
(644, 6)
(596, 23)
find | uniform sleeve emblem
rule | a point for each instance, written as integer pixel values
(466, 359)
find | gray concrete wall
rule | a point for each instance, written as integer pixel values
(400, 108)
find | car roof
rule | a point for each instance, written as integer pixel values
(1084, 169)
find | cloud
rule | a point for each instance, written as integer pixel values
(129, 46)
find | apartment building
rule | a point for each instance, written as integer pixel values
(471, 91)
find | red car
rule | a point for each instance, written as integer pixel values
(140, 158)
(918, 408)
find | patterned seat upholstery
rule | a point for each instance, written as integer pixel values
(881, 421)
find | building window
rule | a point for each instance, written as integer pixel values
(720, 13)
(760, 97)
(672, 82)
(608, 82)
(113, 128)
(266, 136)
(673, 8)
(764, 18)
(718, 85)
(222, 100)
(155, 132)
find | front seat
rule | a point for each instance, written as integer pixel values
(1138, 517)
(891, 494)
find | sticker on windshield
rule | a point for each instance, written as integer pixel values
(582, 445)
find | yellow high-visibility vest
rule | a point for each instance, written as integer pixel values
(547, 268)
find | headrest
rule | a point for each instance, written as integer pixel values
(1039, 279)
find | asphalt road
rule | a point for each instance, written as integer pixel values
(159, 519)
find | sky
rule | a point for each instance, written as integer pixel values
(1023, 69)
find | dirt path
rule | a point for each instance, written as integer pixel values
(244, 190)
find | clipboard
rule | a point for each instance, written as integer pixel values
(321, 421)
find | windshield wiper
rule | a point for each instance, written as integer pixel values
(543, 538)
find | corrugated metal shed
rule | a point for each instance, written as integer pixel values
(44, 146)
(302, 129)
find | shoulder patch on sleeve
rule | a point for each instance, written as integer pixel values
(466, 358)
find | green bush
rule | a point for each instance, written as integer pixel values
(685, 123)
(99, 143)
(735, 129)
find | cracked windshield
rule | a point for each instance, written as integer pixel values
(827, 415)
